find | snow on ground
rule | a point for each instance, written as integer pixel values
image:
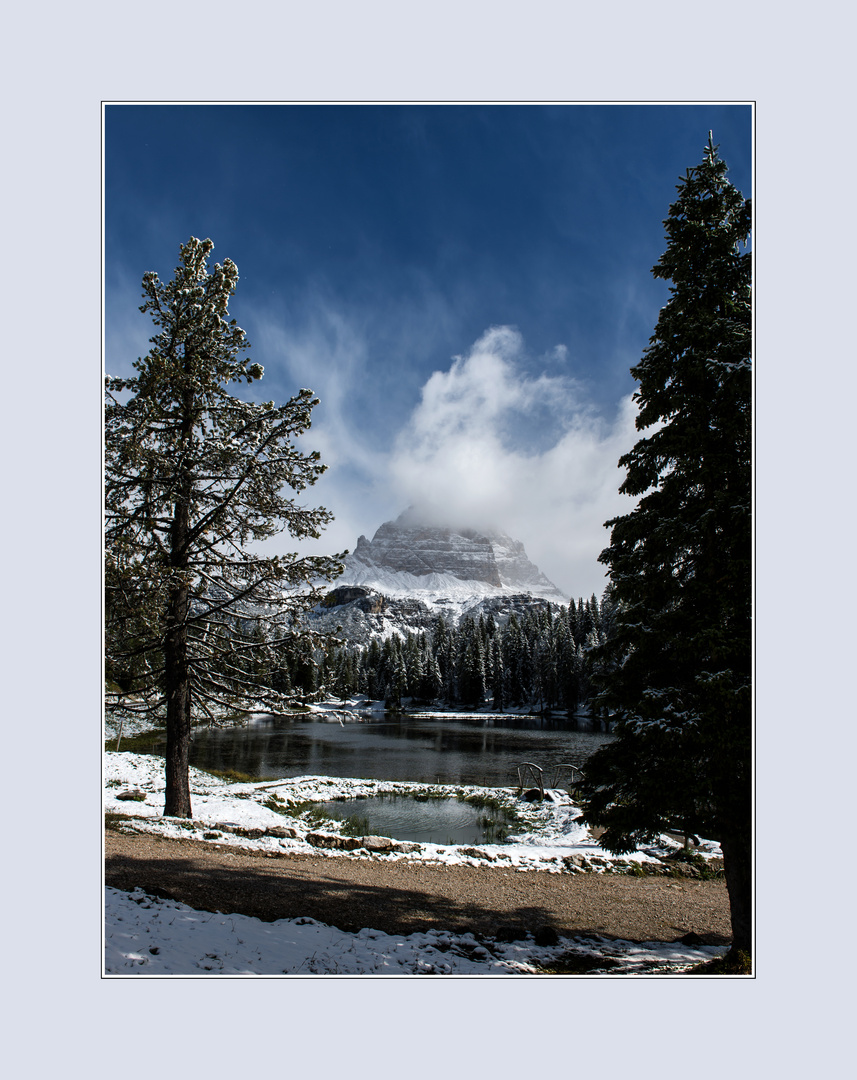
(149, 936)
(145, 935)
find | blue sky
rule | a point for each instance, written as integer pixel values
(465, 287)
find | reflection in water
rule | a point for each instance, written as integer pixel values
(432, 821)
(430, 749)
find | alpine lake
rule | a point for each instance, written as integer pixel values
(456, 749)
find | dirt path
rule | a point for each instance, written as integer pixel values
(401, 897)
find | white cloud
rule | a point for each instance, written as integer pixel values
(479, 393)
(474, 452)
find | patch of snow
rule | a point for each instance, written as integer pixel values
(145, 935)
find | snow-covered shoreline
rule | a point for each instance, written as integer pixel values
(551, 838)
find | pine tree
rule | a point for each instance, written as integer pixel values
(446, 649)
(567, 676)
(594, 610)
(679, 681)
(372, 666)
(472, 672)
(396, 682)
(583, 621)
(515, 658)
(194, 475)
(412, 659)
(432, 681)
(499, 675)
(343, 680)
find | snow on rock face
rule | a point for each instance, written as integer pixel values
(515, 568)
(406, 555)
(421, 551)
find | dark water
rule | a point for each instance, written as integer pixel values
(435, 821)
(481, 749)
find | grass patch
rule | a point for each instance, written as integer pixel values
(231, 776)
(309, 811)
(355, 825)
(506, 820)
(315, 816)
(496, 832)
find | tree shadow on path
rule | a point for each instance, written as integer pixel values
(483, 902)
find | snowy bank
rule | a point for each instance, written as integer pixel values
(145, 935)
(276, 816)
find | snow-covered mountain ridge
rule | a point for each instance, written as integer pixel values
(358, 613)
(407, 557)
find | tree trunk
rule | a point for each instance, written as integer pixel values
(738, 868)
(177, 795)
(177, 675)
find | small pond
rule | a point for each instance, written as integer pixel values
(425, 821)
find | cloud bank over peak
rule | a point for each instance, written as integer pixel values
(493, 446)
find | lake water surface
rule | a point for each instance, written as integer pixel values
(426, 821)
(423, 747)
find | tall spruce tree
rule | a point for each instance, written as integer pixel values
(678, 662)
(193, 476)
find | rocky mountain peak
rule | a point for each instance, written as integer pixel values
(410, 555)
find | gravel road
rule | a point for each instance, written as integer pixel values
(402, 897)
